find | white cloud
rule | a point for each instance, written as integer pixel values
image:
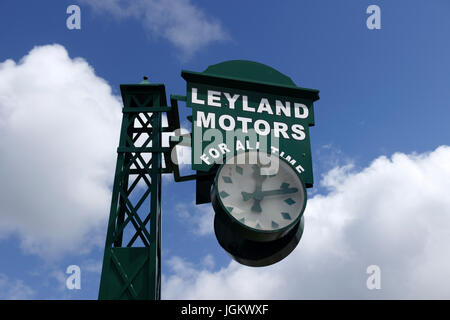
(200, 218)
(94, 266)
(395, 214)
(208, 261)
(14, 289)
(186, 26)
(60, 278)
(59, 127)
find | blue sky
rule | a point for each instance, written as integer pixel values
(382, 92)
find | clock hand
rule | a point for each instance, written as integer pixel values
(277, 192)
(258, 187)
(257, 200)
(256, 206)
(246, 195)
(259, 194)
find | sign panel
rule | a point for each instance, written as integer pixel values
(241, 106)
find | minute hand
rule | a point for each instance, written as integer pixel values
(276, 192)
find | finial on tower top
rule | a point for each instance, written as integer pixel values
(145, 81)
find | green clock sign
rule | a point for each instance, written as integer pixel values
(239, 106)
(250, 127)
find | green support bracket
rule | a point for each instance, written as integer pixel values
(180, 140)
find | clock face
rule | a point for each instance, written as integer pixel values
(267, 197)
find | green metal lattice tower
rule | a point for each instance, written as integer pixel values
(132, 257)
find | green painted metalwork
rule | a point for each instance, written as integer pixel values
(132, 257)
(237, 92)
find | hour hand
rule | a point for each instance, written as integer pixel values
(256, 206)
(259, 195)
(246, 195)
(278, 191)
(256, 196)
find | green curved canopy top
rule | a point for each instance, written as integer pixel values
(252, 75)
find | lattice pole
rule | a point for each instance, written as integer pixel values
(132, 258)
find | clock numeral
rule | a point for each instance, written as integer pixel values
(284, 185)
(239, 170)
(223, 194)
(289, 201)
(275, 225)
(227, 179)
(286, 215)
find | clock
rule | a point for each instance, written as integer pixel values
(257, 253)
(259, 197)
